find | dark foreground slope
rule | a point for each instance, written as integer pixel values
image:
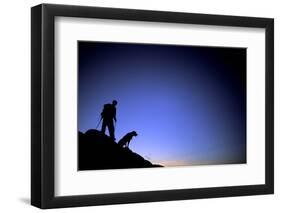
(98, 151)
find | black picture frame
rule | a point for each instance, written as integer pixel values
(43, 111)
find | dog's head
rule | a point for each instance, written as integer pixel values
(134, 133)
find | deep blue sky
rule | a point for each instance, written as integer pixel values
(187, 103)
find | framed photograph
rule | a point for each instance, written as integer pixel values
(140, 106)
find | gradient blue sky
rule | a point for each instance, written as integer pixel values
(187, 103)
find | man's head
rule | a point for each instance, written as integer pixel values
(114, 102)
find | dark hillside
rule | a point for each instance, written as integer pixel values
(98, 151)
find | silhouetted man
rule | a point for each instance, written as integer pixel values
(108, 115)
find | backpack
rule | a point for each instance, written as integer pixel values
(107, 110)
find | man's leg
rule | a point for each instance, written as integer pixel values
(111, 130)
(103, 127)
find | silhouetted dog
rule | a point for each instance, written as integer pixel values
(125, 141)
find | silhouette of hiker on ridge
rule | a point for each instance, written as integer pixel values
(108, 115)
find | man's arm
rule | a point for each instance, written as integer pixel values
(114, 114)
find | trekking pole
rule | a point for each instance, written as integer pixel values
(99, 123)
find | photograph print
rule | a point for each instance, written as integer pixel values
(146, 105)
